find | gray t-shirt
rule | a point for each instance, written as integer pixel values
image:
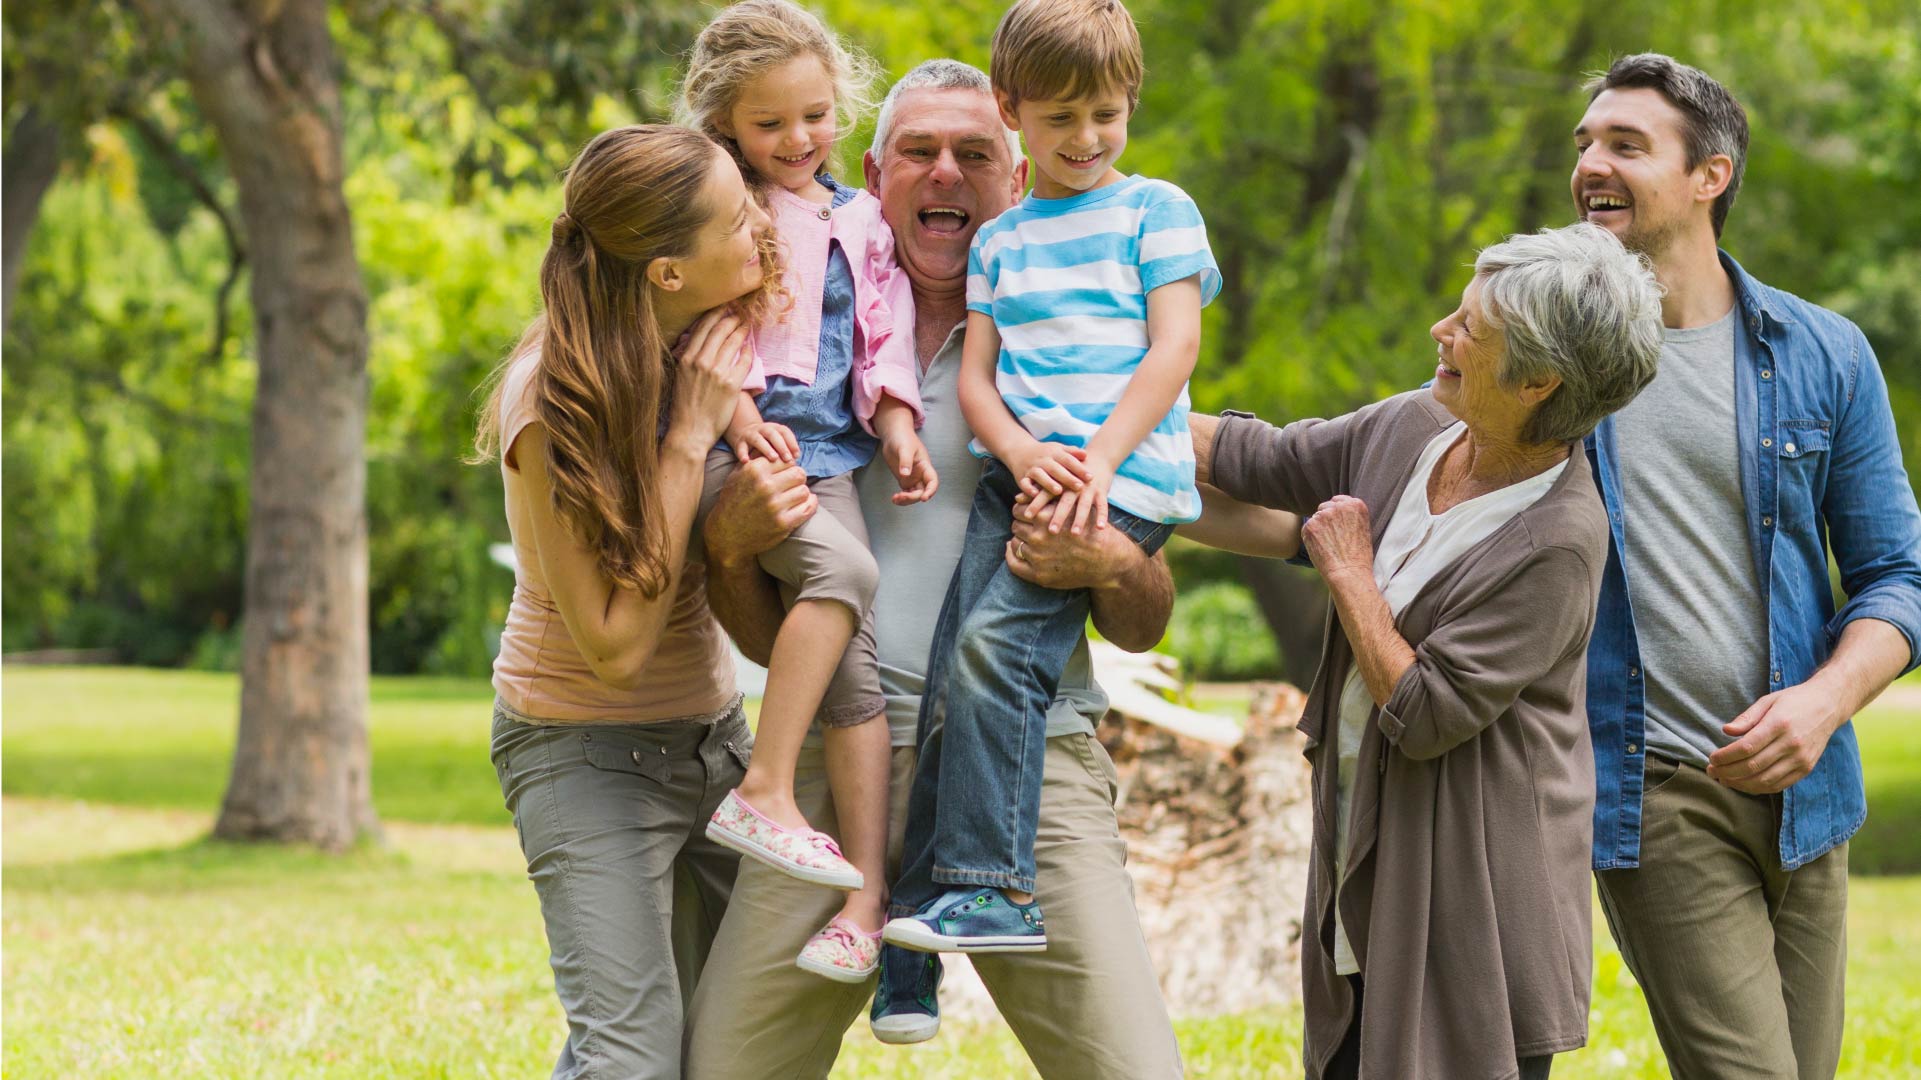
(1698, 611)
(917, 548)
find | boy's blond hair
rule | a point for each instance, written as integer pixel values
(746, 41)
(1067, 49)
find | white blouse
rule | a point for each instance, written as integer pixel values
(1417, 546)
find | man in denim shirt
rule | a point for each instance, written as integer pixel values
(1720, 678)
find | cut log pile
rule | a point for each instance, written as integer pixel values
(1217, 822)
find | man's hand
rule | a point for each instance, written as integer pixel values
(1095, 559)
(760, 504)
(1778, 740)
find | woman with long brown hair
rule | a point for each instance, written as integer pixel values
(617, 728)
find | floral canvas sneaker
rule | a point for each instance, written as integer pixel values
(842, 951)
(971, 920)
(907, 1001)
(807, 854)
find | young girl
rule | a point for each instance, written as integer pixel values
(835, 379)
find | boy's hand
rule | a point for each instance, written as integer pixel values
(1087, 507)
(767, 440)
(907, 458)
(1046, 470)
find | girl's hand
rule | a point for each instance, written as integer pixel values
(767, 440)
(907, 457)
(707, 382)
(1046, 470)
(1340, 538)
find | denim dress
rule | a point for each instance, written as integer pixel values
(821, 414)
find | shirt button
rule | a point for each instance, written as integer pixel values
(1634, 673)
(1767, 442)
(1776, 673)
(1766, 374)
(826, 213)
(1767, 522)
(1633, 748)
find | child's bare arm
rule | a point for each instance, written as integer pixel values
(1173, 345)
(1044, 470)
(905, 454)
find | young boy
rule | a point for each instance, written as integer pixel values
(1084, 309)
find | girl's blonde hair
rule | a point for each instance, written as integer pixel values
(749, 39)
(604, 386)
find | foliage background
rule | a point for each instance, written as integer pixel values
(1349, 157)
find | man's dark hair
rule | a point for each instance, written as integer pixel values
(1712, 122)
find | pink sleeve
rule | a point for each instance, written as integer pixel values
(884, 307)
(756, 380)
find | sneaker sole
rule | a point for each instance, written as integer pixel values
(912, 934)
(829, 971)
(831, 879)
(904, 1029)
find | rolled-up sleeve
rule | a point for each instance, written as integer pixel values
(885, 307)
(1294, 468)
(1873, 524)
(1482, 657)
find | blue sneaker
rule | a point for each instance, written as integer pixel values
(907, 1001)
(977, 919)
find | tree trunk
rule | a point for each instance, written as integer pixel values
(263, 73)
(1294, 603)
(32, 161)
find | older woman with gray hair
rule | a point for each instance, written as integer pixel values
(1462, 539)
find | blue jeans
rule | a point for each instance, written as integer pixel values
(994, 669)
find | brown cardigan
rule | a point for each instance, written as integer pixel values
(1466, 892)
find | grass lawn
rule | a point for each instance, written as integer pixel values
(134, 948)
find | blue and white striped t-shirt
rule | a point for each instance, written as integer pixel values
(1066, 282)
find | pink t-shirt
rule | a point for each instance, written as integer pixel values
(542, 674)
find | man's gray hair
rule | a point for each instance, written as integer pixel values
(1573, 302)
(938, 75)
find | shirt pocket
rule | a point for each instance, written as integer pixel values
(1802, 449)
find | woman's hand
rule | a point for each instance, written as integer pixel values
(707, 383)
(1339, 537)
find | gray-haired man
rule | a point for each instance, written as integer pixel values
(1089, 1007)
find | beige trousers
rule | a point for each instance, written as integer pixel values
(1743, 963)
(1088, 1008)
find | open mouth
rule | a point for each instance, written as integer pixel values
(795, 162)
(1603, 202)
(944, 219)
(1081, 161)
(1443, 370)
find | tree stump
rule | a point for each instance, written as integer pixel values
(1218, 822)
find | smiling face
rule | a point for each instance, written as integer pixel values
(784, 122)
(1632, 176)
(725, 261)
(1073, 143)
(1467, 378)
(945, 171)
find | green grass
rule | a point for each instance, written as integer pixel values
(134, 948)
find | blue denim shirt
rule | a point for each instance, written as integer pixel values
(821, 413)
(1818, 454)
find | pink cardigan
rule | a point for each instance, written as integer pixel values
(789, 345)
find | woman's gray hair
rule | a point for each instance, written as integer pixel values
(1574, 303)
(937, 75)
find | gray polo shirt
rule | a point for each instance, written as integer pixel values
(1699, 617)
(918, 547)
